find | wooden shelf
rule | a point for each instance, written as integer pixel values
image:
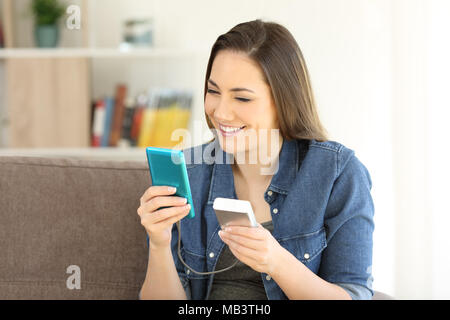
(49, 91)
(115, 154)
(99, 53)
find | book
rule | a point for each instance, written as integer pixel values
(150, 119)
(148, 122)
(109, 111)
(173, 112)
(141, 104)
(136, 127)
(2, 42)
(98, 125)
(125, 139)
(119, 112)
(183, 114)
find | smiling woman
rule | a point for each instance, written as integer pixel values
(314, 212)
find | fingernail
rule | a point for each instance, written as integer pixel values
(172, 189)
(182, 200)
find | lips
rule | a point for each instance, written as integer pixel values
(228, 131)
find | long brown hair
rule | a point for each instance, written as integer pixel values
(274, 48)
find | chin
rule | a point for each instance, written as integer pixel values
(243, 155)
(229, 146)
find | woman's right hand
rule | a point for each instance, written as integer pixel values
(159, 210)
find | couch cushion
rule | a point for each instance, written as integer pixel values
(58, 213)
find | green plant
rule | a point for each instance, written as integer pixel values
(47, 11)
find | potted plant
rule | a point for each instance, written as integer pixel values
(46, 17)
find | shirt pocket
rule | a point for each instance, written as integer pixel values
(194, 261)
(307, 247)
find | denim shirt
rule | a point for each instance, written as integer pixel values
(324, 215)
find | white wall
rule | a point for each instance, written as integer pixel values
(438, 102)
(413, 256)
(421, 174)
(379, 70)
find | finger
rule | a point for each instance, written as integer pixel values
(163, 201)
(154, 191)
(241, 240)
(244, 250)
(164, 214)
(257, 233)
(164, 224)
(244, 258)
(160, 202)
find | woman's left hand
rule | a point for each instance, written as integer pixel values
(256, 247)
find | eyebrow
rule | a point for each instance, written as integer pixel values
(233, 89)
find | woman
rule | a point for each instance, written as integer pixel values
(315, 211)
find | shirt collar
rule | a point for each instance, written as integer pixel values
(222, 180)
(287, 167)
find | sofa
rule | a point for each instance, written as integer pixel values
(69, 228)
(63, 218)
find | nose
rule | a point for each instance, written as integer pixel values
(223, 111)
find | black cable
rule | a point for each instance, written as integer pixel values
(184, 263)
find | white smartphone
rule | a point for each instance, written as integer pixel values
(234, 212)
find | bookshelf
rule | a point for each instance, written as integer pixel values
(40, 86)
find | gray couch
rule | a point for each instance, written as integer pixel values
(57, 213)
(69, 222)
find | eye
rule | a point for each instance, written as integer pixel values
(211, 91)
(243, 99)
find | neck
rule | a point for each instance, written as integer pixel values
(254, 173)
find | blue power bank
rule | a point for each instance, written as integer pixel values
(168, 168)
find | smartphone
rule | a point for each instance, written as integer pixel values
(168, 168)
(234, 212)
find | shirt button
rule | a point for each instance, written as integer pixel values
(211, 254)
(306, 256)
(268, 278)
(275, 210)
(188, 271)
(269, 193)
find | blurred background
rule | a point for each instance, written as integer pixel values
(104, 78)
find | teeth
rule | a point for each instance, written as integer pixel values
(230, 129)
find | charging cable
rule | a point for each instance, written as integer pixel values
(194, 271)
